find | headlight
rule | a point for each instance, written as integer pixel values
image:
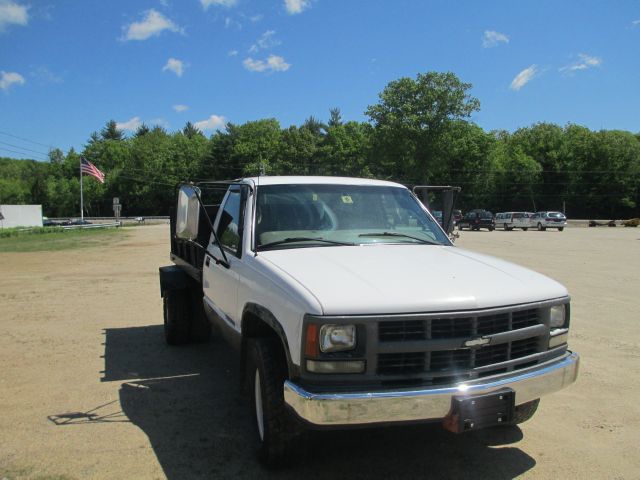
(557, 317)
(337, 338)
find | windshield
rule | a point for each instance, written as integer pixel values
(295, 216)
(555, 215)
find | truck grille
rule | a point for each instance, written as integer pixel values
(431, 336)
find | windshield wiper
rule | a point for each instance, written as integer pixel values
(396, 234)
(303, 239)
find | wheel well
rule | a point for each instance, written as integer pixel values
(253, 326)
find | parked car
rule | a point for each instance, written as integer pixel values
(511, 220)
(544, 220)
(477, 219)
(80, 222)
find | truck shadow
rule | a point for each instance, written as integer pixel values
(188, 402)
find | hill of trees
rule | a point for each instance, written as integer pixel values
(419, 132)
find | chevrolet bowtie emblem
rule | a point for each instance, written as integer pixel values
(477, 342)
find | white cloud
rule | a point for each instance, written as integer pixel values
(218, 3)
(231, 23)
(585, 61)
(635, 23)
(12, 13)
(176, 66)
(153, 24)
(44, 75)
(258, 17)
(131, 125)
(273, 63)
(7, 79)
(212, 123)
(294, 7)
(492, 38)
(524, 77)
(159, 122)
(180, 108)
(232, 53)
(265, 42)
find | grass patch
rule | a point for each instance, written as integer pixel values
(53, 239)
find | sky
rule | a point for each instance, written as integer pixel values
(67, 67)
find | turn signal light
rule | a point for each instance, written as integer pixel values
(311, 348)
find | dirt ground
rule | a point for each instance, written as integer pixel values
(88, 388)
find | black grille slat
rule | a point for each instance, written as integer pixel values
(493, 324)
(450, 360)
(401, 363)
(458, 362)
(492, 354)
(401, 331)
(451, 327)
(525, 318)
(522, 348)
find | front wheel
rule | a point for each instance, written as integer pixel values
(524, 229)
(276, 429)
(541, 228)
(560, 229)
(506, 227)
(491, 229)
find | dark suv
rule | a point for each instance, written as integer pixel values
(477, 219)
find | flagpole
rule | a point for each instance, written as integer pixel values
(81, 199)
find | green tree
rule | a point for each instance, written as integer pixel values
(111, 131)
(412, 116)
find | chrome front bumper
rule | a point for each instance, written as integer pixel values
(425, 404)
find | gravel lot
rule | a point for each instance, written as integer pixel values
(88, 388)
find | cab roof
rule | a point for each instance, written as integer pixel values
(308, 180)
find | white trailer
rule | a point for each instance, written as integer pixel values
(20, 216)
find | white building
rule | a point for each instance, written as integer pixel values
(20, 216)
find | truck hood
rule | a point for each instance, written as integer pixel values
(387, 279)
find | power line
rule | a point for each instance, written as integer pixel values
(19, 153)
(24, 148)
(24, 139)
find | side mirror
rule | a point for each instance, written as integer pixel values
(188, 212)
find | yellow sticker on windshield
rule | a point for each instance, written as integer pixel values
(347, 199)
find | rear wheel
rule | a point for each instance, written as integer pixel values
(506, 228)
(541, 228)
(276, 428)
(560, 229)
(491, 229)
(525, 411)
(176, 316)
(524, 229)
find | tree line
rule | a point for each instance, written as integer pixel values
(419, 132)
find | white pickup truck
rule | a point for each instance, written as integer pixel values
(350, 306)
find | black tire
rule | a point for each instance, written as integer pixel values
(491, 229)
(541, 228)
(460, 227)
(267, 372)
(525, 411)
(200, 328)
(506, 228)
(524, 229)
(560, 229)
(176, 316)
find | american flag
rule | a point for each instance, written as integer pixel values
(90, 169)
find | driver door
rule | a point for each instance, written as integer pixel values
(219, 281)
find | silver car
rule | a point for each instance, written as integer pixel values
(544, 220)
